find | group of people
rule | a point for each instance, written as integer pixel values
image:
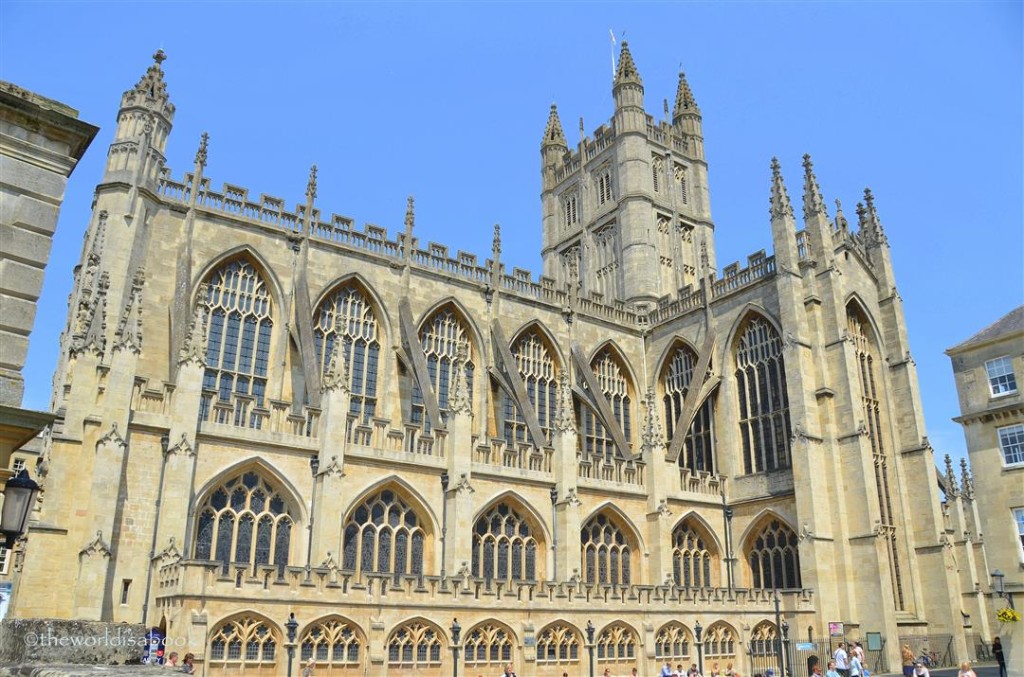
(918, 666)
(184, 665)
(679, 671)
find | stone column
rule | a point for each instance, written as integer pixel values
(459, 497)
(565, 464)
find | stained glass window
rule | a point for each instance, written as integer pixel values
(559, 643)
(611, 378)
(537, 369)
(488, 644)
(503, 530)
(617, 643)
(691, 557)
(245, 642)
(440, 339)
(378, 534)
(699, 448)
(774, 558)
(763, 400)
(414, 645)
(334, 641)
(346, 321)
(606, 551)
(673, 643)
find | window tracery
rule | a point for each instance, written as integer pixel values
(611, 378)
(764, 639)
(246, 520)
(504, 547)
(606, 551)
(616, 643)
(334, 642)
(245, 642)
(237, 341)
(719, 641)
(774, 557)
(559, 643)
(414, 645)
(347, 321)
(691, 557)
(384, 535)
(763, 399)
(440, 339)
(488, 644)
(673, 643)
(537, 370)
(699, 446)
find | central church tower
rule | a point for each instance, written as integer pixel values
(626, 214)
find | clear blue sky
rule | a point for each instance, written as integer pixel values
(920, 101)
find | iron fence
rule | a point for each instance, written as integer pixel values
(935, 651)
(805, 653)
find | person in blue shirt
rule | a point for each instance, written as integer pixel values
(666, 670)
(832, 672)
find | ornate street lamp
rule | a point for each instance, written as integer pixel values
(292, 625)
(19, 496)
(554, 532)
(590, 645)
(456, 632)
(444, 522)
(697, 629)
(997, 575)
(778, 639)
(788, 664)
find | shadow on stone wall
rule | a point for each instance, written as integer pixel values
(50, 641)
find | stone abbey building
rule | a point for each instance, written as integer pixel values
(267, 412)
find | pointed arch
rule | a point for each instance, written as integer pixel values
(260, 465)
(489, 642)
(855, 299)
(509, 495)
(388, 529)
(620, 355)
(359, 280)
(442, 331)
(406, 490)
(705, 527)
(245, 642)
(669, 350)
(721, 641)
(613, 376)
(539, 364)
(505, 541)
(247, 520)
(549, 338)
(676, 376)
(770, 549)
(765, 515)
(726, 358)
(348, 318)
(756, 352)
(617, 642)
(610, 547)
(335, 642)
(559, 642)
(673, 642)
(627, 522)
(416, 643)
(476, 336)
(254, 258)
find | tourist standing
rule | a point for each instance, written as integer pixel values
(842, 660)
(997, 651)
(907, 655)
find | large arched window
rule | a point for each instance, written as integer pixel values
(872, 392)
(764, 647)
(615, 386)
(617, 643)
(691, 557)
(558, 644)
(504, 547)
(606, 551)
(489, 644)
(537, 368)
(699, 449)
(346, 320)
(773, 557)
(764, 404)
(333, 643)
(415, 645)
(440, 338)
(719, 642)
(384, 535)
(244, 645)
(673, 643)
(246, 520)
(237, 343)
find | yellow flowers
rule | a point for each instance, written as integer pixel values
(1007, 615)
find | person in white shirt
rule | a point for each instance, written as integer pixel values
(920, 670)
(842, 660)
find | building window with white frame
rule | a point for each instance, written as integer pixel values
(1011, 443)
(17, 466)
(1018, 518)
(1001, 378)
(5, 560)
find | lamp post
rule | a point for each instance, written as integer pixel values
(697, 630)
(778, 637)
(590, 645)
(314, 467)
(456, 631)
(292, 625)
(787, 663)
(19, 497)
(554, 534)
(997, 575)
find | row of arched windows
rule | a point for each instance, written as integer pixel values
(240, 321)
(249, 642)
(248, 521)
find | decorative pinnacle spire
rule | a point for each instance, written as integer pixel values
(840, 217)
(204, 142)
(460, 402)
(685, 103)
(813, 202)
(553, 134)
(951, 486)
(151, 91)
(652, 434)
(966, 481)
(311, 185)
(410, 215)
(565, 419)
(780, 204)
(496, 242)
(159, 56)
(336, 375)
(627, 71)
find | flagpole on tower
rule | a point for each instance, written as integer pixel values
(612, 47)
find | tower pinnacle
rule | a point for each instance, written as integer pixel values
(685, 103)
(780, 204)
(813, 202)
(627, 71)
(553, 134)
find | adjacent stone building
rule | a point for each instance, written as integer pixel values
(989, 371)
(269, 411)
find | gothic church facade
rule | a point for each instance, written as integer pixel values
(266, 412)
